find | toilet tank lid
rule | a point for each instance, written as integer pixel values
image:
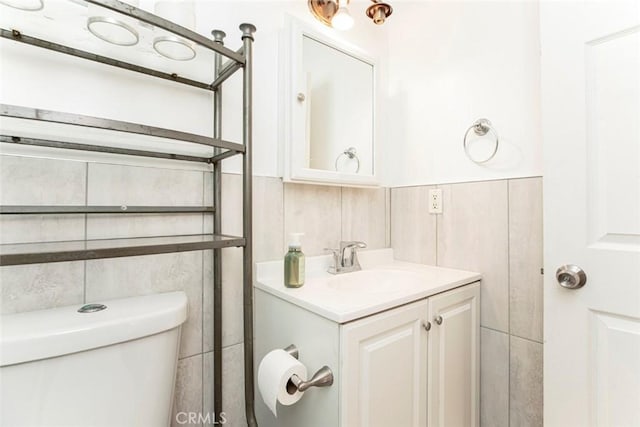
(54, 332)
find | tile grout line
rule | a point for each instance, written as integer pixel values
(202, 322)
(494, 330)
(438, 219)
(341, 213)
(511, 335)
(284, 219)
(388, 219)
(86, 220)
(478, 181)
(509, 292)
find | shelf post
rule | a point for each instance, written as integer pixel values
(218, 37)
(247, 124)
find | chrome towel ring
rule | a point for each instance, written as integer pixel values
(481, 127)
(351, 153)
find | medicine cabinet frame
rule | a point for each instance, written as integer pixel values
(294, 115)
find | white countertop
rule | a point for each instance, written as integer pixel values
(343, 298)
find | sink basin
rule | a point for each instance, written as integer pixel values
(375, 281)
(383, 283)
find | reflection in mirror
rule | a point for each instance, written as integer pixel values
(339, 106)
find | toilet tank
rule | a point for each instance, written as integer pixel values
(111, 367)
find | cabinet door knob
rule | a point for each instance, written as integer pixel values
(301, 97)
(426, 326)
(438, 320)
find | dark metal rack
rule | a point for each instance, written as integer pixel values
(79, 250)
(124, 209)
(30, 253)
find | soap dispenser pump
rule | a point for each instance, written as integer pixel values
(294, 262)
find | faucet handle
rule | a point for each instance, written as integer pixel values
(333, 269)
(352, 244)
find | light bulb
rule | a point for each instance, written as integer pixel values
(342, 20)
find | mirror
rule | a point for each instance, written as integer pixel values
(329, 117)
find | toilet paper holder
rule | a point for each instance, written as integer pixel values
(322, 378)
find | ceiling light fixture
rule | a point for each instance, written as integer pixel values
(342, 20)
(334, 13)
(379, 11)
(324, 10)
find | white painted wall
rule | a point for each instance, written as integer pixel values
(269, 16)
(449, 64)
(442, 65)
(37, 78)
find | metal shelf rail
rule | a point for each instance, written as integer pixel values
(29, 253)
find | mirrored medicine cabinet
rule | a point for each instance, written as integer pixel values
(328, 109)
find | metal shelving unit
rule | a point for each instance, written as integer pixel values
(224, 63)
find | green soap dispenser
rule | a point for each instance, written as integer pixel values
(294, 263)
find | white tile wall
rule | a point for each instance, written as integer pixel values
(142, 275)
(413, 229)
(494, 227)
(525, 258)
(494, 378)
(133, 185)
(207, 300)
(525, 385)
(316, 211)
(311, 209)
(231, 204)
(41, 228)
(473, 235)
(364, 216)
(208, 381)
(188, 390)
(482, 228)
(41, 286)
(116, 185)
(120, 226)
(232, 385)
(30, 181)
(232, 331)
(268, 219)
(34, 181)
(42, 181)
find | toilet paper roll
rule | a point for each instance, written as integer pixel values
(274, 372)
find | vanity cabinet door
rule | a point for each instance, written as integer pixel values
(454, 359)
(384, 369)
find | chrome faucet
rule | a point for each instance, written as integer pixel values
(345, 259)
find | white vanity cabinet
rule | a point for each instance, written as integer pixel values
(413, 365)
(453, 361)
(384, 368)
(416, 365)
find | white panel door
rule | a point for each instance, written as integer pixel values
(453, 365)
(384, 369)
(591, 133)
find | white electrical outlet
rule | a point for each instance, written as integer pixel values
(435, 201)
